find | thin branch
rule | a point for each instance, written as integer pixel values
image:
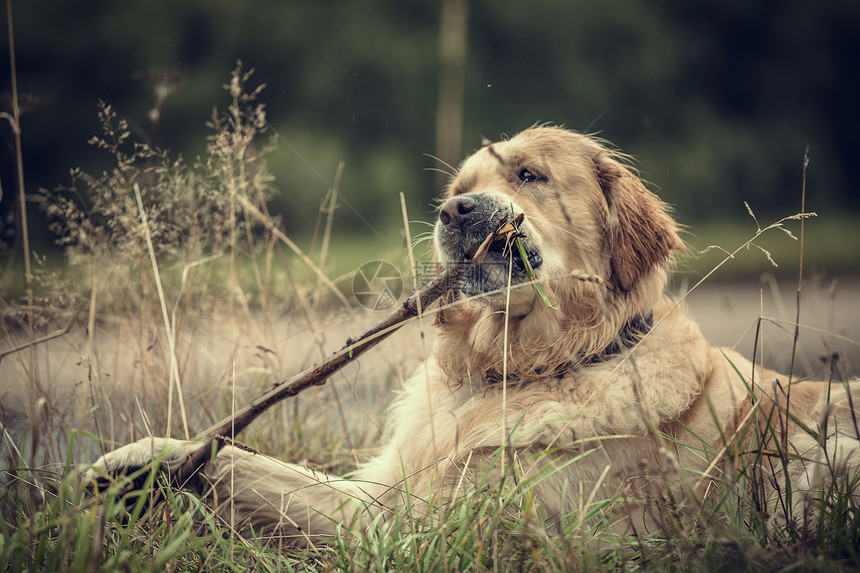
(447, 280)
(317, 376)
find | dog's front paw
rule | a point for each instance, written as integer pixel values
(128, 460)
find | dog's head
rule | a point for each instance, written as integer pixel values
(596, 240)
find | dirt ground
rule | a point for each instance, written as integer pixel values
(119, 392)
(829, 317)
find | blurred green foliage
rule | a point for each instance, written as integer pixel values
(716, 100)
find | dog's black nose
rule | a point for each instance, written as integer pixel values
(456, 209)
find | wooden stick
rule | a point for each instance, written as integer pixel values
(238, 421)
(318, 375)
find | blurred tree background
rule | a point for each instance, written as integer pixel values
(716, 100)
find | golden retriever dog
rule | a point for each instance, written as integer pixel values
(563, 359)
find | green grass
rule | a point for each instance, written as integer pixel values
(56, 525)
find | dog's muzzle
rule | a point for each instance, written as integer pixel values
(464, 222)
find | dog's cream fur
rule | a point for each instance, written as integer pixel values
(663, 402)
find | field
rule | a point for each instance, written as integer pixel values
(180, 298)
(108, 383)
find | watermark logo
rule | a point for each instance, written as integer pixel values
(377, 285)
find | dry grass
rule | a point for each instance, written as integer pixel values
(180, 299)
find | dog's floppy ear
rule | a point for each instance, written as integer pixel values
(642, 235)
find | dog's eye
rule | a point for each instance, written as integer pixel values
(528, 176)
